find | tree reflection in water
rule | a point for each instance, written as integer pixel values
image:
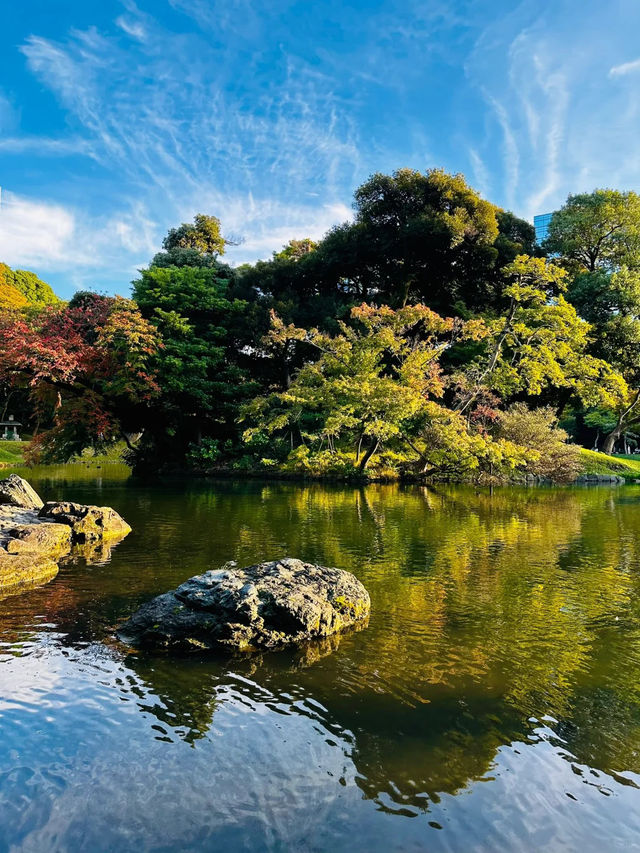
(494, 617)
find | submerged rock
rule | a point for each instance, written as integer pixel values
(17, 492)
(86, 522)
(35, 537)
(268, 605)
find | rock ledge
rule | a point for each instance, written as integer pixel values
(266, 606)
(34, 536)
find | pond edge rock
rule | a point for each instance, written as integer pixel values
(35, 536)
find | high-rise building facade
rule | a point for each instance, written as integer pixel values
(541, 224)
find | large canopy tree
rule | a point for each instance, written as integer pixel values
(200, 368)
(539, 344)
(416, 237)
(596, 236)
(371, 396)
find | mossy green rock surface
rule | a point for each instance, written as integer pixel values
(87, 523)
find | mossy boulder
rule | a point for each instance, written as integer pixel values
(265, 606)
(52, 540)
(87, 522)
(24, 571)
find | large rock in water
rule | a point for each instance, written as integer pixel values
(86, 522)
(264, 606)
(17, 492)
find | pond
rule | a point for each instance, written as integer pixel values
(492, 702)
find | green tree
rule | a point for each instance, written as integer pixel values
(199, 368)
(432, 237)
(296, 249)
(371, 400)
(597, 231)
(416, 237)
(204, 236)
(610, 301)
(539, 345)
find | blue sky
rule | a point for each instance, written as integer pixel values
(120, 119)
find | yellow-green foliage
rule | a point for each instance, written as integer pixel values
(371, 402)
(33, 290)
(10, 296)
(537, 430)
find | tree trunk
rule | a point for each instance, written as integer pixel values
(624, 420)
(610, 442)
(367, 456)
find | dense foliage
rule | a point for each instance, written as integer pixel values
(428, 337)
(33, 290)
(87, 369)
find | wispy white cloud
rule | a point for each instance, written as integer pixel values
(131, 27)
(8, 114)
(45, 146)
(510, 148)
(271, 226)
(560, 125)
(178, 139)
(40, 234)
(625, 68)
(481, 177)
(248, 111)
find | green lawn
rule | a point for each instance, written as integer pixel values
(11, 452)
(621, 466)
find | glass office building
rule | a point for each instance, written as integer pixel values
(541, 224)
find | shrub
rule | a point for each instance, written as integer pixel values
(537, 430)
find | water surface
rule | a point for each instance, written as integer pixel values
(493, 701)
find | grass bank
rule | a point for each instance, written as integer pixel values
(11, 453)
(619, 466)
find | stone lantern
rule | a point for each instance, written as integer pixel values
(10, 429)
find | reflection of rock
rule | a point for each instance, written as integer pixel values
(405, 755)
(263, 606)
(94, 552)
(87, 522)
(17, 492)
(182, 698)
(33, 537)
